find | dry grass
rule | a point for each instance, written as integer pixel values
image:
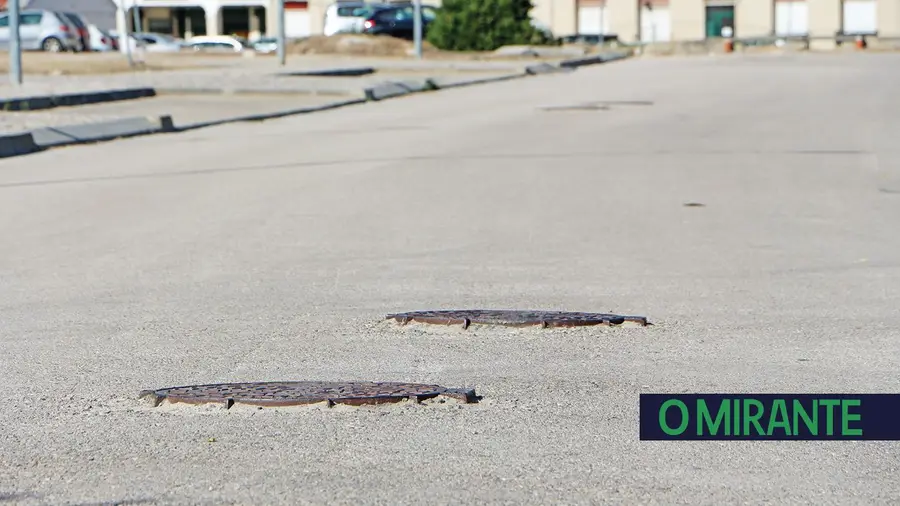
(384, 46)
(356, 45)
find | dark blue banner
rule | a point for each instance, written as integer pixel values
(777, 417)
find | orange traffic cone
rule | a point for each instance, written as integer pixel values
(729, 46)
(860, 42)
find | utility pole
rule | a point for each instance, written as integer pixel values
(282, 49)
(136, 28)
(15, 46)
(135, 18)
(417, 27)
(122, 30)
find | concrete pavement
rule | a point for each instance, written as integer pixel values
(270, 251)
(187, 109)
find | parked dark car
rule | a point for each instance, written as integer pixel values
(397, 21)
(82, 26)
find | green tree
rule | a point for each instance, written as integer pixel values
(483, 25)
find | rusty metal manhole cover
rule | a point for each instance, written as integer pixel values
(295, 393)
(508, 318)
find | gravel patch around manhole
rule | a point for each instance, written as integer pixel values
(387, 330)
(515, 318)
(299, 393)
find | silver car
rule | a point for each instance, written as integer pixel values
(41, 30)
(100, 40)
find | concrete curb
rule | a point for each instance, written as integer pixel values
(340, 72)
(592, 60)
(98, 132)
(393, 89)
(17, 144)
(442, 84)
(268, 116)
(72, 99)
(546, 68)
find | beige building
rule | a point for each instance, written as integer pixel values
(247, 18)
(630, 20)
(691, 20)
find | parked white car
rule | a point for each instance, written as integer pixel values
(265, 45)
(216, 43)
(100, 40)
(347, 17)
(149, 42)
(158, 42)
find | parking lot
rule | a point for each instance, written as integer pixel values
(272, 251)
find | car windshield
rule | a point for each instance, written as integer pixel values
(364, 12)
(358, 11)
(346, 11)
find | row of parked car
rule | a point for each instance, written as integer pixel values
(395, 19)
(56, 31)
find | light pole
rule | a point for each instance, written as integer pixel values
(15, 47)
(135, 18)
(122, 30)
(282, 50)
(136, 21)
(417, 27)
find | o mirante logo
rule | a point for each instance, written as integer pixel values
(770, 416)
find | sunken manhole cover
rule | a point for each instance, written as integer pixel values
(296, 393)
(543, 319)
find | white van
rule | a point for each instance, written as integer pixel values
(347, 17)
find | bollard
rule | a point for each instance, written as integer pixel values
(729, 46)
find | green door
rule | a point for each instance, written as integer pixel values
(717, 18)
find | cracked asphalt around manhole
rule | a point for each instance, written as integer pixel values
(272, 252)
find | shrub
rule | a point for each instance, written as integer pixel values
(483, 25)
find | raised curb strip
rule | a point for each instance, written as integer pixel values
(49, 137)
(38, 103)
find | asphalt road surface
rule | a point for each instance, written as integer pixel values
(270, 251)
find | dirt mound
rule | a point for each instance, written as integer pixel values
(360, 45)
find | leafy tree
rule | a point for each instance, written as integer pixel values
(483, 25)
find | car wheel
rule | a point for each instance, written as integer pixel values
(52, 45)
